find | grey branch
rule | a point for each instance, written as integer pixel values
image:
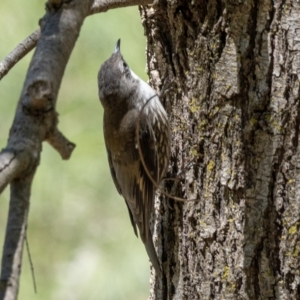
(36, 121)
(104, 5)
(19, 52)
(30, 42)
(61, 144)
(14, 238)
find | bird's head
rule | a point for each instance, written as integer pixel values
(116, 82)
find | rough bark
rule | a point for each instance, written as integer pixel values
(234, 113)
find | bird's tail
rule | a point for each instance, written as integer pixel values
(152, 255)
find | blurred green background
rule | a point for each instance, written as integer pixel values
(81, 240)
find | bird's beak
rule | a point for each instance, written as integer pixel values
(117, 47)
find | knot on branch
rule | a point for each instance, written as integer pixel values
(39, 96)
(53, 5)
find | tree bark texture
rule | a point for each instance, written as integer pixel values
(234, 114)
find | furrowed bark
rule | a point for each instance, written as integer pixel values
(234, 113)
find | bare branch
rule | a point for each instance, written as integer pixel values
(19, 52)
(104, 5)
(30, 42)
(36, 121)
(61, 144)
(14, 238)
(31, 264)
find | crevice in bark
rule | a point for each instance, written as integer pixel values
(242, 137)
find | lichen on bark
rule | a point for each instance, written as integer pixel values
(234, 114)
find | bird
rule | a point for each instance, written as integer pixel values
(135, 124)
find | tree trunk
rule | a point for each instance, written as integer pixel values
(234, 114)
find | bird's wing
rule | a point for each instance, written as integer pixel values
(145, 189)
(113, 175)
(154, 145)
(112, 171)
(132, 180)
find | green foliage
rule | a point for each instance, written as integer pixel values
(80, 236)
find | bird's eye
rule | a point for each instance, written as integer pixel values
(124, 68)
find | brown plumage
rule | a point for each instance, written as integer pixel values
(123, 96)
